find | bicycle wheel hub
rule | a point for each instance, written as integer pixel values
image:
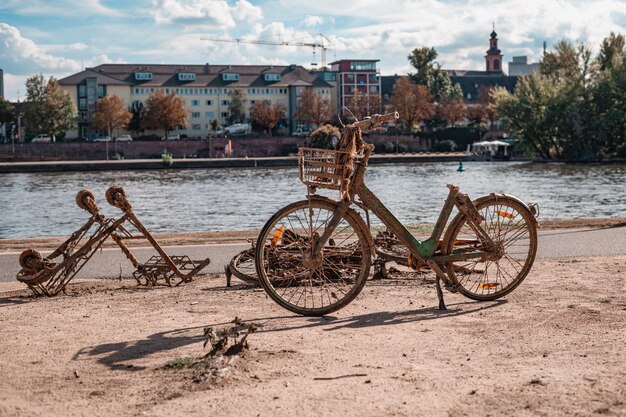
(310, 261)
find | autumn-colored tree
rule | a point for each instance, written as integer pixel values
(266, 114)
(312, 108)
(452, 110)
(413, 102)
(362, 105)
(325, 137)
(110, 114)
(49, 109)
(164, 111)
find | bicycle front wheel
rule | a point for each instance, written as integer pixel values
(303, 283)
(513, 229)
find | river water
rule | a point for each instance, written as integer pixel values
(42, 204)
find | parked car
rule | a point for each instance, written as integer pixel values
(171, 136)
(103, 139)
(43, 139)
(238, 129)
(124, 138)
(301, 131)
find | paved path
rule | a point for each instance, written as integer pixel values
(110, 263)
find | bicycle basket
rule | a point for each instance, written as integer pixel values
(322, 168)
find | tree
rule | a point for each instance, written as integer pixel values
(7, 113)
(531, 113)
(452, 110)
(413, 102)
(164, 111)
(325, 137)
(110, 114)
(137, 111)
(266, 114)
(215, 124)
(430, 74)
(612, 52)
(48, 109)
(362, 105)
(236, 111)
(312, 108)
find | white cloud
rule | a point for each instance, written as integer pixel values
(21, 55)
(311, 21)
(214, 12)
(81, 8)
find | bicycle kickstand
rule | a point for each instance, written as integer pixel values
(442, 304)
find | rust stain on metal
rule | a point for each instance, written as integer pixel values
(50, 275)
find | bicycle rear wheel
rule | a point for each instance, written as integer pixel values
(307, 285)
(513, 228)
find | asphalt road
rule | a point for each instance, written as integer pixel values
(111, 263)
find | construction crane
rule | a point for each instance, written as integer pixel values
(323, 47)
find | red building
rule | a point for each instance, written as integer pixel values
(357, 75)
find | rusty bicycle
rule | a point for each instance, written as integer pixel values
(313, 256)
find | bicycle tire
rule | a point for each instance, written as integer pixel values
(242, 266)
(512, 226)
(300, 284)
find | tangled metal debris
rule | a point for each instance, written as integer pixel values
(50, 275)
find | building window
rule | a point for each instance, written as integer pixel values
(224, 115)
(496, 64)
(82, 103)
(207, 102)
(195, 102)
(209, 115)
(373, 78)
(350, 78)
(230, 77)
(225, 102)
(362, 66)
(186, 76)
(196, 127)
(143, 76)
(271, 77)
(195, 114)
(82, 91)
(373, 89)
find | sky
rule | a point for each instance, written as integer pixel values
(61, 37)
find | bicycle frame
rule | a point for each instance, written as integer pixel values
(423, 251)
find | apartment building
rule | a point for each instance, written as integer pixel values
(204, 88)
(353, 75)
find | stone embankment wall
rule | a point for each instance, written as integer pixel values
(205, 148)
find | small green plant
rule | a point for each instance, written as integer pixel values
(179, 363)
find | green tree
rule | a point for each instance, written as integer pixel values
(236, 106)
(609, 97)
(7, 113)
(137, 111)
(110, 114)
(429, 73)
(165, 111)
(530, 113)
(48, 109)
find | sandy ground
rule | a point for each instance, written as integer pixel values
(554, 347)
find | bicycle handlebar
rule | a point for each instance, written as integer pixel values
(376, 120)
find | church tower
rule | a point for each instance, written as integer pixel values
(493, 58)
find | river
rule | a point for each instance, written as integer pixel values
(42, 204)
